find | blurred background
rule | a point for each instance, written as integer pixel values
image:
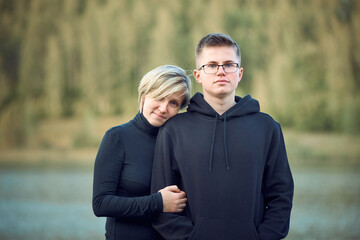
(69, 70)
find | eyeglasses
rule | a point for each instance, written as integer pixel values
(213, 68)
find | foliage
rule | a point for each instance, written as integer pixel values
(66, 58)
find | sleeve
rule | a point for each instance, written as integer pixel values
(169, 225)
(107, 171)
(278, 190)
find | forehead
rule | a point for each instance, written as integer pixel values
(217, 54)
(179, 95)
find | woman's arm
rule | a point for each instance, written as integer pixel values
(107, 172)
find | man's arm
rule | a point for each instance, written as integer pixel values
(278, 189)
(169, 225)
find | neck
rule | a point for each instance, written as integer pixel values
(220, 104)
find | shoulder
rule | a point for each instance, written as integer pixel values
(177, 120)
(266, 120)
(118, 131)
(267, 117)
(178, 123)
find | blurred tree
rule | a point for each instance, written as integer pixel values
(75, 58)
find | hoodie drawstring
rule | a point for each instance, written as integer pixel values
(213, 143)
(225, 144)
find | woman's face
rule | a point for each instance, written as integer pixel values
(157, 112)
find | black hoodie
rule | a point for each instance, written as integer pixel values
(233, 168)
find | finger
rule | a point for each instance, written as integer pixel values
(182, 205)
(180, 209)
(182, 195)
(183, 200)
(173, 188)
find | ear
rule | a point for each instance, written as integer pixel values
(197, 76)
(241, 71)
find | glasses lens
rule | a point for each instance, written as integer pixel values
(228, 68)
(210, 68)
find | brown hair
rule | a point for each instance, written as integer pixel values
(217, 40)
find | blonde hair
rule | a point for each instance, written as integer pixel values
(164, 81)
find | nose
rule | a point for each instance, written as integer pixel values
(221, 70)
(163, 106)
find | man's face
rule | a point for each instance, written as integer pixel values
(219, 84)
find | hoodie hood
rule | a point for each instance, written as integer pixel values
(243, 106)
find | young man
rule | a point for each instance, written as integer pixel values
(228, 157)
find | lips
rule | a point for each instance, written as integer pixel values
(221, 81)
(160, 116)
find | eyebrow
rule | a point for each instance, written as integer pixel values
(225, 62)
(175, 99)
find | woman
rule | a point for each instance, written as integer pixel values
(123, 165)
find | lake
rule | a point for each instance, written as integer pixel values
(56, 204)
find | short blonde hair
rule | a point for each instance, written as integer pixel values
(164, 81)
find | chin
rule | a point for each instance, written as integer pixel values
(158, 123)
(223, 92)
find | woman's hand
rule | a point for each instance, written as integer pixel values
(174, 200)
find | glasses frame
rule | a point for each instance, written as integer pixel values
(218, 65)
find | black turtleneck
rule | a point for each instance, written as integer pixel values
(122, 175)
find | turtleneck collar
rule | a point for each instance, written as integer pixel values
(141, 122)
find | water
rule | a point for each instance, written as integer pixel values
(56, 204)
(326, 204)
(47, 204)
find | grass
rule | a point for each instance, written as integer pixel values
(61, 143)
(306, 148)
(74, 143)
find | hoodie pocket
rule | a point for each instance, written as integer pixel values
(226, 229)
